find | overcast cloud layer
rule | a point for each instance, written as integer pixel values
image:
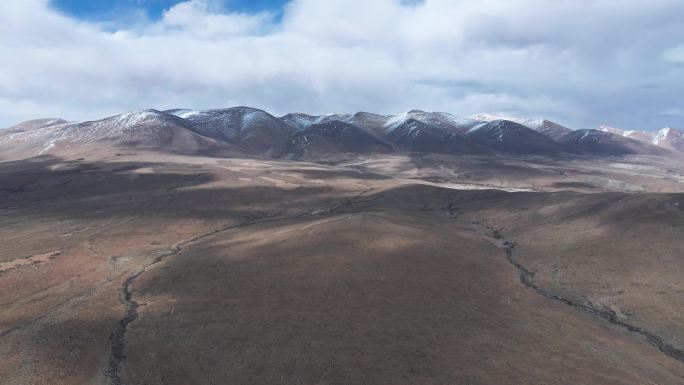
(579, 62)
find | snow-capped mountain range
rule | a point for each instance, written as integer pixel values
(301, 136)
(667, 137)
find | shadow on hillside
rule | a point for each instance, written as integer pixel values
(51, 187)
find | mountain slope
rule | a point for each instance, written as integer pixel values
(440, 120)
(150, 129)
(414, 135)
(373, 123)
(643, 136)
(511, 137)
(640, 135)
(491, 118)
(299, 121)
(330, 139)
(250, 128)
(670, 138)
(36, 123)
(551, 129)
(598, 142)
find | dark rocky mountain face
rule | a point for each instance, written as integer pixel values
(414, 135)
(551, 129)
(323, 140)
(255, 130)
(370, 122)
(440, 120)
(597, 142)
(299, 121)
(514, 138)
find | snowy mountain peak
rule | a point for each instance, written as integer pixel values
(663, 134)
(509, 136)
(551, 129)
(669, 137)
(300, 121)
(493, 117)
(443, 120)
(136, 117)
(183, 113)
(612, 130)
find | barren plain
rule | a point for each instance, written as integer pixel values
(153, 268)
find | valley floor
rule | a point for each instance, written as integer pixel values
(147, 268)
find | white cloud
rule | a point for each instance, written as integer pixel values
(198, 19)
(578, 61)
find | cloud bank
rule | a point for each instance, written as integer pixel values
(580, 62)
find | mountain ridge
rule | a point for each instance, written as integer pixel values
(258, 132)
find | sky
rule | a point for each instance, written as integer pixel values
(581, 63)
(102, 10)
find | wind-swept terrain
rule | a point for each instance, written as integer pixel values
(236, 247)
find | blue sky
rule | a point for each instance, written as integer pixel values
(105, 9)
